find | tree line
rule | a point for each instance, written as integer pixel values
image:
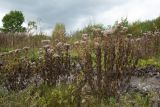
(12, 22)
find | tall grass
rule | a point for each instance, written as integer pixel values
(20, 40)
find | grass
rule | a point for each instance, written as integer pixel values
(42, 96)
(61, 96)
(2, 49)
(154, 60)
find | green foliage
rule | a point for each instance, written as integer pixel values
(12, 22)
(61, 96)
(86, 30)
(124, 22)
(41, 96)
(155, 60)
(33, 55)
(2, 49)
(157, 23)
(139, 27)
(31, 26)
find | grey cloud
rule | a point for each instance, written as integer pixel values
(65, 11)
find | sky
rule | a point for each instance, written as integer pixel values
(76, 14)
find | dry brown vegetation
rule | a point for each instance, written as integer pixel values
(99, 68)
(20, 40)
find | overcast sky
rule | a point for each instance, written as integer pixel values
(76, 14)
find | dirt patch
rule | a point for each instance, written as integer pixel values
(145, 79)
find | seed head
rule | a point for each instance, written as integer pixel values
(50, 50)
(56, 55)
(125, 29)
(59, 45)
(56, 40)
(85, 37)
(108, 32)
(96, 45)
(76, 43)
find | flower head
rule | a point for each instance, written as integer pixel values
(59, 45)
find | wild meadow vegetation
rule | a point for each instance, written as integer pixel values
(91, 68)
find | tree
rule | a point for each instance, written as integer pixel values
(12, 22)
(59, 32)
(32, 26)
